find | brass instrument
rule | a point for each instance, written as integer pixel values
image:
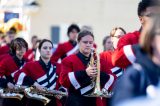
(96, 81)
(12, 93)
(14, 23)
(33, 93)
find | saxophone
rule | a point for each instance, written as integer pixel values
(97, 92)
(33, 93)
(12, 93)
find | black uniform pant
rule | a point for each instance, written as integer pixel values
(79, 100)
(14, 102)
(33, 102)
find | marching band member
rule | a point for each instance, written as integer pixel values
(30, 54)
(125, 56)
(9, 65)
(12, 27)
(146, 9)
(69, 47)
(76, 76)
(8, 38)
(115, 34)
(142, 77)
(43, 73)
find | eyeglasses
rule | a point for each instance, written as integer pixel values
(118, 36)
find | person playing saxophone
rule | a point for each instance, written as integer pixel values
(9, 65)
(44, 75)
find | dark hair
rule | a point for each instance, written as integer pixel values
(12, 31)
(72, 27)
(148, 34)
(18, 43)
(113, 31)
(105, 39)
(43, 41)
(84, 33)
(144, 4)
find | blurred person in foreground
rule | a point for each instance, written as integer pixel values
(124, 54)
(145, 72)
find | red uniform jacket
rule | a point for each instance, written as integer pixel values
(129, 39)
(110, 68)
(124, 57)
(73, 75)
(36, 70)
(8, 67)
(4, 49)
(106, 57)
(64, 50)
(45, 75)
(3, 56)
(30, 55)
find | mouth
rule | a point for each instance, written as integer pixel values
(88, 48)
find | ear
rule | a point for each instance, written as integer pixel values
(141, 19)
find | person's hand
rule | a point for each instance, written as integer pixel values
(39, 87)
(58, 96)
(10, 85)
(91, 71)
(20, 87)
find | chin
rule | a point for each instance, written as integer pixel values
(47, 57)
(20, 57)
(87, 53)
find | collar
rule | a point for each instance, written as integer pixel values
(83, 58)
(18, 61)
(46, 67)
(74, 43)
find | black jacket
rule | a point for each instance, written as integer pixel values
(136, 78)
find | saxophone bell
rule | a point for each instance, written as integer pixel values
(33, 93)
(11, 93)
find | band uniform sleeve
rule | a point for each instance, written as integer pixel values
(3, 67)
(23, 75)
(123, 41)
(107, 78)
(65, 69)
(82, 78)
(123, 57)
(58, 71)
(3, 80)
(70, 77)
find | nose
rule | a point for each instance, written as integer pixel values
(22, 52)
